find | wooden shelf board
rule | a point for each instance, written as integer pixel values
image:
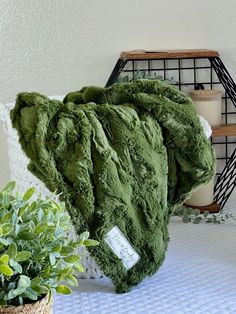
(212, 208)
(167, 54)
(224, 130)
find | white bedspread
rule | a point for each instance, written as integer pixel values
(197, 277)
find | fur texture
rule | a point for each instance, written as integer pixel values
(122, 156)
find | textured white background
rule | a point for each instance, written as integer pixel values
(61, 45)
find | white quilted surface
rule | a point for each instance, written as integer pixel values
(197, 277)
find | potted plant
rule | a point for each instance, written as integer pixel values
(36, 253)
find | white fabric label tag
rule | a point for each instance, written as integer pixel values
(121, 247)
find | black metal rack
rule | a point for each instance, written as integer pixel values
(188, 69)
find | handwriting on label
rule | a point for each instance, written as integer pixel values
(121, 247)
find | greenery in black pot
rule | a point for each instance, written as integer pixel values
(36, 253)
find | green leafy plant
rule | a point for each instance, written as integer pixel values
(143, 74)
(189, 214)
(36, 253)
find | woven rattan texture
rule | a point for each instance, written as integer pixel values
(40, 307)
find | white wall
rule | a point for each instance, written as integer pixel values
(55, 46)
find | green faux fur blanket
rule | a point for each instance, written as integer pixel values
(122, 156)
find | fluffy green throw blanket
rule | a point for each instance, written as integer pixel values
(122, 156)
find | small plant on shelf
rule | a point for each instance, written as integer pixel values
(36, 253)
(143, 74)
(189, 214)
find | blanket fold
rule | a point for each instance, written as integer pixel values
(124, 156)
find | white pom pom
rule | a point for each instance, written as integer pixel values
(206, 126)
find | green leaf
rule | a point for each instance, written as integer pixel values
(40, 289)
(52, 259)
(50, 294)
(72, 259)
(36, 281)
(83, 236)
(5, 199)
(57, 248)
(47, 270)
(12, 250)
(7, 228)
(16, 266)
(40, 214)
(31, 294)
(56, 254)
(22, 210)
(14, 293)
(17, 229)
(90, 242)
(206, 213)
(42, 227)
(63, 289)
(51, 224)
(64, 271)
(12, 285)
(5, 242)
(79, 267)
(33, 207)
(59, 232)
(6, 270)
(185, 219)
(196, 212)
(71, 280)
(9, 187)
(26, 235)
(3, 302)
(24, 282)
(67, 250)
(6, 217)
(189, 211)
(4, 259)
(28, 194)
(22, 256)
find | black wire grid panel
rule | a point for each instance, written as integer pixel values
(187, 74)
(226, 181)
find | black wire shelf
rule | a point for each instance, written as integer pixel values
(188, 69)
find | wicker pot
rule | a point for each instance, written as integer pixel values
(42, 306)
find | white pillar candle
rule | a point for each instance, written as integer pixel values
(208, 105)
(202, 196)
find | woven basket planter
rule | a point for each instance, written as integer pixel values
(43, 306)
(24, 179)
